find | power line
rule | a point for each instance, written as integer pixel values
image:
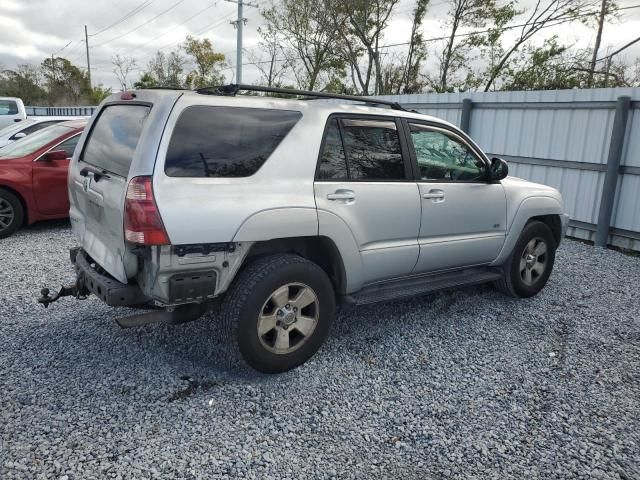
(446, 37)
(172, 28)
(632, 42)
(61, 49)
(126, 16)
(511, 27)
(141, 25)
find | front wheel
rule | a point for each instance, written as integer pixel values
(531, 262)
(278, 312)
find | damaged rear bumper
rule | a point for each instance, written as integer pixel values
(92, 279)
(99, 283)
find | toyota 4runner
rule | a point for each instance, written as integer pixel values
(279, 208)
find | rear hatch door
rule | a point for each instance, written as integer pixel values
(120, 143)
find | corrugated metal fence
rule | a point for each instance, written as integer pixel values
(566, 139)
(586, 143)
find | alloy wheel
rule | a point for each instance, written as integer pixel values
(533, 261)
(288, 318)
(6, 214)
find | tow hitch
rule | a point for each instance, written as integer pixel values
(73, 291)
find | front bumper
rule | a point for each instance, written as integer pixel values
(92, 279)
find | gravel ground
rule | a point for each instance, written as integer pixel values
(465, 384)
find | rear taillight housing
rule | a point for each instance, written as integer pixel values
(142, 222)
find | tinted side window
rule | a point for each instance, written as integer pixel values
(225, 141)
(333, 163)
(69, 145)
(373, 149)
(444, 157)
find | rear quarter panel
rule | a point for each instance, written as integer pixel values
(275, 202)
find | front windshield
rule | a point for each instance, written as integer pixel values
(6, 132)
(33, 142)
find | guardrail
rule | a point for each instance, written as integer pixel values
(60, 111)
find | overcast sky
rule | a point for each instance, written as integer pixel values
(34, 29)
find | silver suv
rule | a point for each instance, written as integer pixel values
(276, 209)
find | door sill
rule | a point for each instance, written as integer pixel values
(408, 287)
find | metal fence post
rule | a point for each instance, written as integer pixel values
(465, 118)
(616, 147)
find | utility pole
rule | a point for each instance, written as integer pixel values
(238, 24)
(86, 43)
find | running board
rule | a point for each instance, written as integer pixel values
(420, 285)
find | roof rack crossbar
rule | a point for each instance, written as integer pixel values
(233, 89)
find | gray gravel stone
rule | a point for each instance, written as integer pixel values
(464, 384)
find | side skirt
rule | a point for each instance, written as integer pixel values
(422, 284)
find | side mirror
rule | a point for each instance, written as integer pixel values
(18, 136)
(55, 155)
(499, 169)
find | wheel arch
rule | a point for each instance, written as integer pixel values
(553, 222)
(543, 208)
(320, 250)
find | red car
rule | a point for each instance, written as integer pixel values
(33, 176)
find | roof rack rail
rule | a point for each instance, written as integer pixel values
(233, 89)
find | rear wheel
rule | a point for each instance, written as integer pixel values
(278, 312)
(531, 262)
(11, 213)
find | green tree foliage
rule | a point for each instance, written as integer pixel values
(24, 82)
(206, 61)
(145, 81)
(56, 82)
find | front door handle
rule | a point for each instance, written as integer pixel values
(434, 195)
(344, 195)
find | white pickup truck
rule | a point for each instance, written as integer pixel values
(11, 111)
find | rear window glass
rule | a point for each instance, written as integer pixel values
(114, 138)
(8, 107)
(225, 141)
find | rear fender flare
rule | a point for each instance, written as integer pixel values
(305, 222)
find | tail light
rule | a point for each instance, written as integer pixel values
(142, 222)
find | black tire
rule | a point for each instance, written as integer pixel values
(514, 282)
(13, 220)
(248, 297)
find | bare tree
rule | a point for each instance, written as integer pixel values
(122, 66)
(268, 57)
(607, 9)
(366, 21)
(309, 38)
(454, 56)
(416, 53)
(544, 14)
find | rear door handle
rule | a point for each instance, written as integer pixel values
(341, 195)
(433, 195)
